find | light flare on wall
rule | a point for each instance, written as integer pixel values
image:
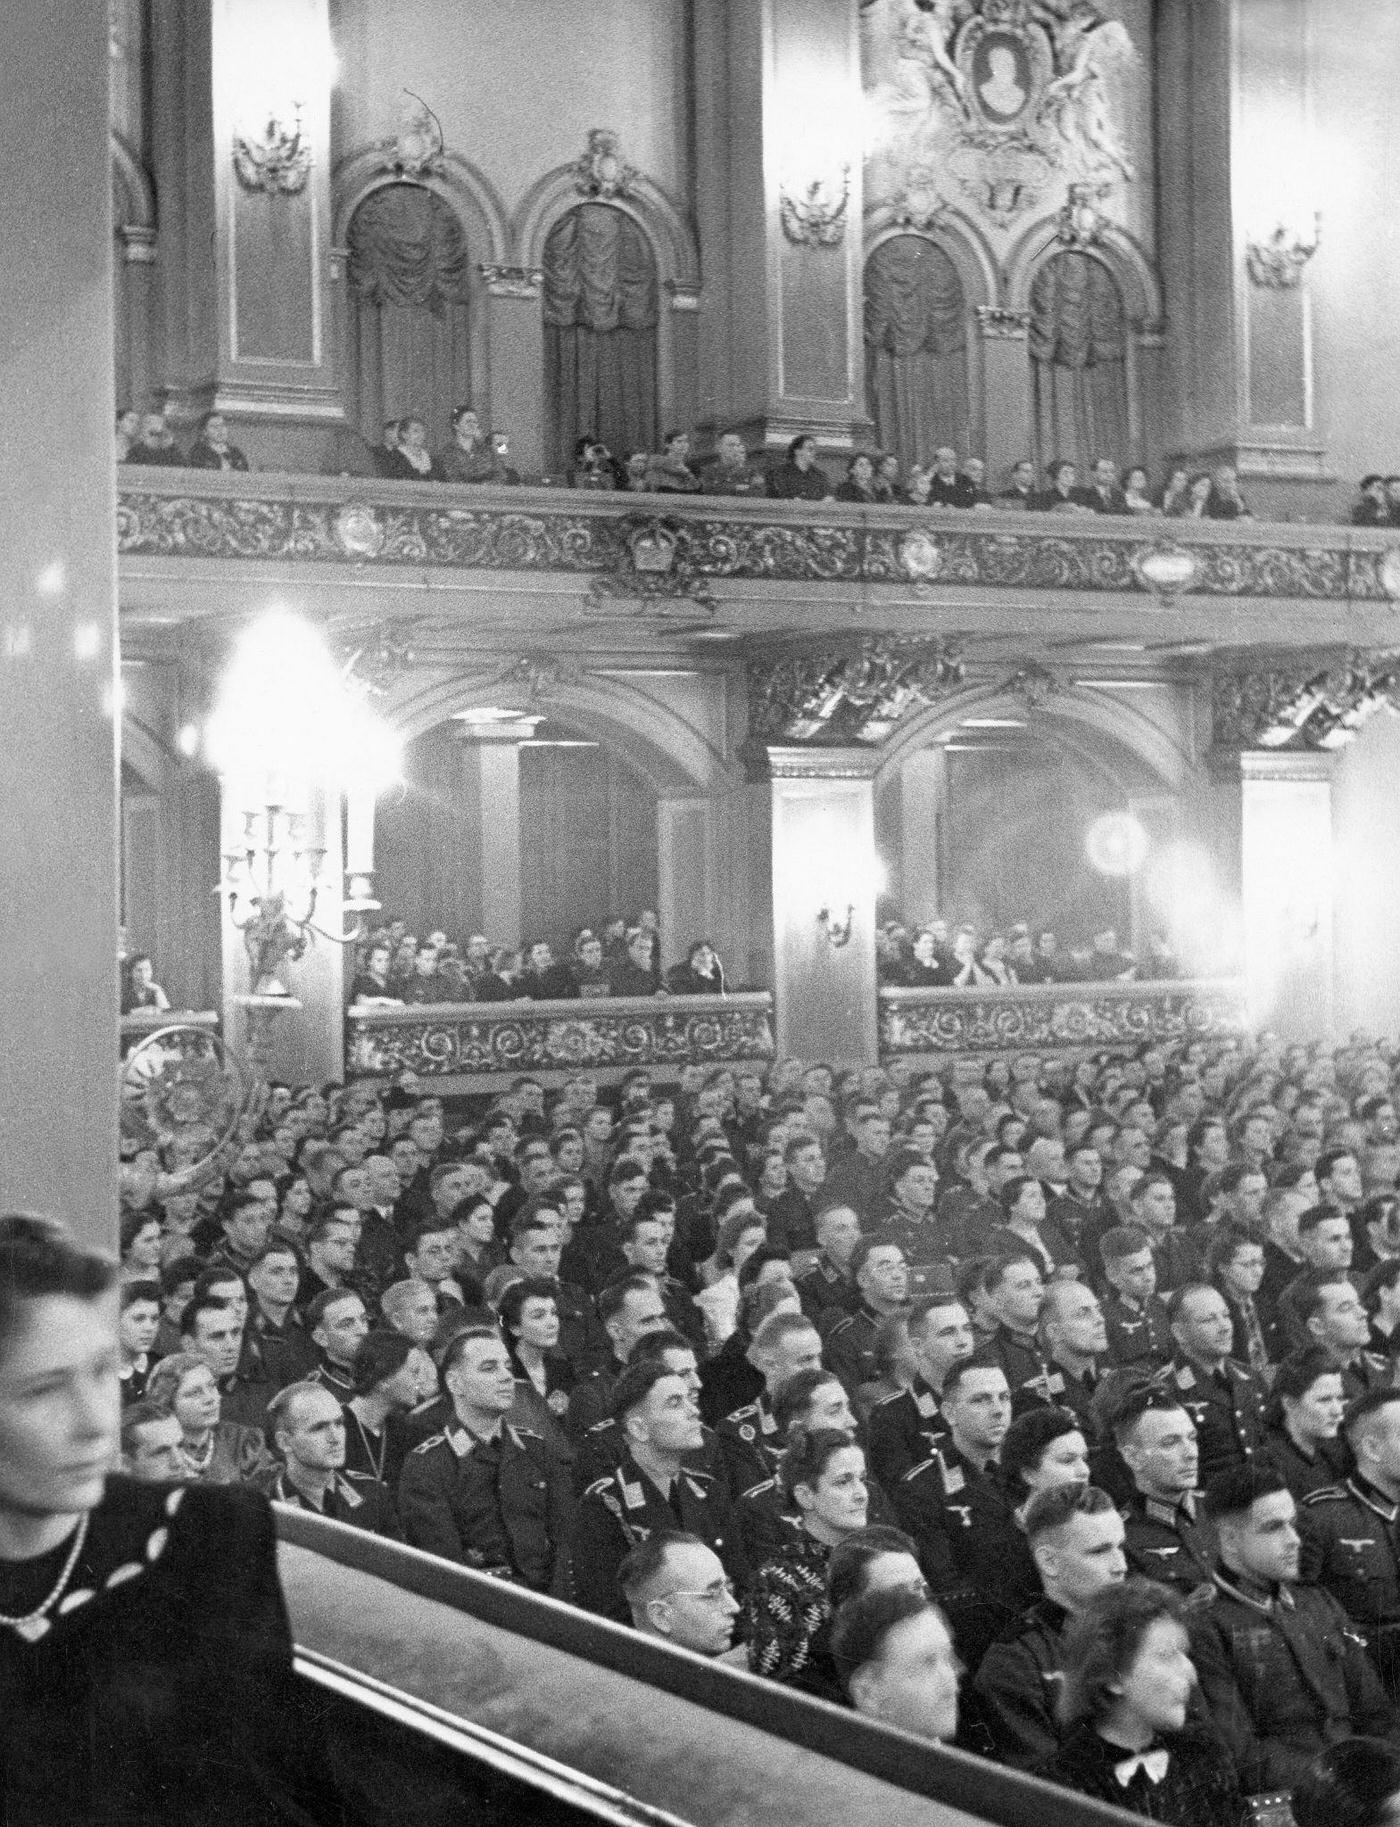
(1116, 844)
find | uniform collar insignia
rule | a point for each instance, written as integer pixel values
(347, 1493)
(1185, 1377)
(926, 1404)
(1371, 1497)
(633, 1496)
(460, 1441)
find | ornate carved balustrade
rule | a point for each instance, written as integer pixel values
(1055, 1016)
(679, 546)
(474, 1046)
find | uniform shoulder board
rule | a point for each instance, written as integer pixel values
(427, 1445)
(1375, 1360)
(841, 1326)
(915, 1470)
(1241, 1373)
(746, 1413)
(885, 1401)
(1327, 1493)
(598, 1486)
(757, 1490)
(521, 1434)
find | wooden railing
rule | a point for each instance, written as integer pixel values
(1048, 1017)
(474, 1046)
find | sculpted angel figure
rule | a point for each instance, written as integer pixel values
(926, 49)
(1088, 48)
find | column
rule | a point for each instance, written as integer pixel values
(684, 873)
(491, 790)
(516, 330)
(245, 244)
(58, 630)
(825, 878)
(779, 117)
(1233, 83)
(1286, 846)
(1006, 387)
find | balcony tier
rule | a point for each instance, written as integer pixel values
(1053, 1017)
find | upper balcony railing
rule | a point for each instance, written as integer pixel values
(1046, 1017)
(703, 543)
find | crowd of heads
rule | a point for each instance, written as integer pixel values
(618, 957)
(801, 1321)
(938, 954)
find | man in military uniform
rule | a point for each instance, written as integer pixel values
(1076, 1540)
(1139, 1328)
(308, 1427)
(1221, 1396)
(1350, 1531)
(1015, 1293)
(645, 1240)
(908, 1428)
(828, 1290)
(784, 1344)
(882, 1275)
(792, 1216)
(1331, 1313)
(958, 1511)
(1076, 1340)
(1283, 1670)
(536, 1247)
(627, 1309)
(905, 1216)
(484, 1492)
(1165, 1540)
(654, 1486)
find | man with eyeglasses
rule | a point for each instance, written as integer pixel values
(677, 1590)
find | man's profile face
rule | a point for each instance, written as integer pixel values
(155, 1451)
(698, 1608)
(314, 1432)
(1086, 1554)
(342, 1330)
(60, 1406)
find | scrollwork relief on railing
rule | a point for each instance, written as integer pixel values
(1056, 1016)
(472, 1040)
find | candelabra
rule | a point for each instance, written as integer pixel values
(273, 885)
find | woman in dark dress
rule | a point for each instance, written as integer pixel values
(1128, 1681)
(1304, 1417)
(145, 1654)
(702, 974)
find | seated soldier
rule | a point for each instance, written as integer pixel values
(905, 1429)
(485, 1493)
(1220, 1396)
(956, 1506)
(308, 1429)
(653, 1486)
(678, 1592)
(151, 1443)
(1076, 1540)
(783, 1345)
(1139, 1328)
(1283, 1670)
(882, 1276)
(1166, 1541)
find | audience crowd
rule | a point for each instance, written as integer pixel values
(873, 477)
(937, 956)
(620, 958)
(1044, 1405)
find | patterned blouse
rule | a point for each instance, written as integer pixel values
(787, 1605)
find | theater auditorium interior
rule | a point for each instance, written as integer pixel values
(765, 1113)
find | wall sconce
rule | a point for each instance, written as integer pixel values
(838, 931)
(1276, 259)
(817, 216)
(279, 162)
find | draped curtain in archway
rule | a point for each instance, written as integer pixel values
(916, 349)
(1078, 353)
(600, 317)
(410, 282)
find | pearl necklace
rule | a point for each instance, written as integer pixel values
(35, 1623)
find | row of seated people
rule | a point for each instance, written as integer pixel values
(937, 956)
(392, 966)
(476, 455)
(1379, 502)
(593, 1290)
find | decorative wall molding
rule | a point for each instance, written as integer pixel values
(1000, 325)
(1048, 1017)
(1314, 704)
(600, 170)
(202, 516)
(513, 281)
(452, 1040)
(858, 693)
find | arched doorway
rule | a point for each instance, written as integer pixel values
(600, 334)
(1079, 363)
(409, 279)
(916, 349)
